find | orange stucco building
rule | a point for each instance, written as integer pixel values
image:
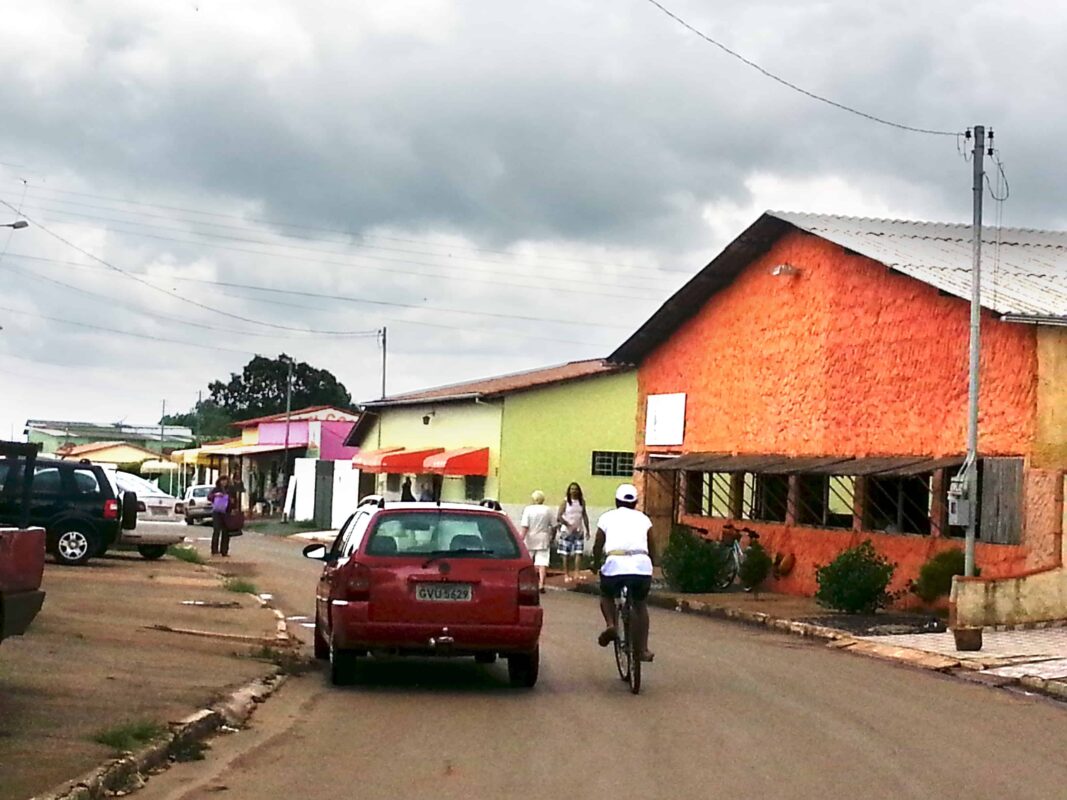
(811, 383)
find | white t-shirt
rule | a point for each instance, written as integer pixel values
(538, 520)
(625, 529)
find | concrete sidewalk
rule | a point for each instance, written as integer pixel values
(1034, 659)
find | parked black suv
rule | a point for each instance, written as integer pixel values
(76, 503)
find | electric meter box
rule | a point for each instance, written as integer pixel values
(959, 504)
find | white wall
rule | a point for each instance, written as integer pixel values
(345, 492)
(304, 475)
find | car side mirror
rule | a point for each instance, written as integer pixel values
(317, 552)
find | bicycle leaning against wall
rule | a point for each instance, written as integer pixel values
(731, 537)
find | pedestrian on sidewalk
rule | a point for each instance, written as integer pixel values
(573, 522)
(537, 524)
(406, 495)
(219, 497)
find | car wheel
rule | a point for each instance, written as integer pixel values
(523, 669)
(322, 647)
(152, 551)
(485, 658)
(189, 520)
(75, 546)
(342, 666)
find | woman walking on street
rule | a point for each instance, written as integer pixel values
(537, 525)
(573, 524)
(219, 497)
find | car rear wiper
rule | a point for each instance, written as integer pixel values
(461, 551)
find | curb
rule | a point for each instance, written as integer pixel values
(129, 772)
(839, 640)
(757, 618)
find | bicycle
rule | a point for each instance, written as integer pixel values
(736, 555)
(627, 659)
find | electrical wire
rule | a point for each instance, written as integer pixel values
(637, 291)
(340, 232)
(105, 329)
(113, 303)
(453, 260)
(134, 277)
(348, 298)
(790, 85)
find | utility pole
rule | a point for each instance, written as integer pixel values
(162, 422)
(971, 464)
(384, 331)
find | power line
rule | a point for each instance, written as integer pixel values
(105, 329)
(790, 85)
(142, 281)
(350, 262)
(349, 298)
(112, 302)
(321, 229)
(448, 256)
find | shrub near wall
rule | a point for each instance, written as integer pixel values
(691, 563)
(855, 582)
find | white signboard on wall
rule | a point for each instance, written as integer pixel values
(665, 419)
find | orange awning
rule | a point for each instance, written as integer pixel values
(466, 461)
(394, 460)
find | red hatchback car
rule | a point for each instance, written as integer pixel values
(421, 579)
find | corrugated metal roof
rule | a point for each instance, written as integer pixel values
(1025, 275)
(502, 384)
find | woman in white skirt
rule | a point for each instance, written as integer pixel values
(538, 522)
(573, 524)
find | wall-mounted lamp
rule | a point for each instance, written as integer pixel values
(784, 269)
(426, 417)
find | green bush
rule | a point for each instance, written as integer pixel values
(935, 577)
(856, 581)
(693, 564)
(755, 568)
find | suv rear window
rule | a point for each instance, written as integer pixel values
(442, 533)
(85, 482)
(47, 480)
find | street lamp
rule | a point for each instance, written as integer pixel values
(17, 225)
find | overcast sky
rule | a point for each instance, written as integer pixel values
(504, 185)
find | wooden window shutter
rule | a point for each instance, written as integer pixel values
(1001, 520)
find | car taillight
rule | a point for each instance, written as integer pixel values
(111, 509)
(357, 585)
(529, 592)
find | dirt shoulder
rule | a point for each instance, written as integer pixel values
(91, 662)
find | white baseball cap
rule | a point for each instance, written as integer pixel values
(626, 493)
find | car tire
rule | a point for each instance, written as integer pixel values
(189, 520)
(151, 552)
(322, 647)
(485, 658)
(523, 669)
(75, 545)
(342, 666)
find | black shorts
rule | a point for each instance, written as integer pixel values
(639, 586)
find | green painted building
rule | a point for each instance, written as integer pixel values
(506, 436)
(52, 435)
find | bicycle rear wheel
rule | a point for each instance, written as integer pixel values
(633, 656)
(622, 644)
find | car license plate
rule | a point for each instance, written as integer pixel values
(443, 592)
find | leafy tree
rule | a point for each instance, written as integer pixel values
(260, 388)
(206, 420)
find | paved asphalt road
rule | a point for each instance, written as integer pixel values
(726, 712)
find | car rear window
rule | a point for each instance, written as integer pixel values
(201, 491)
(442, 533)
(85, 482)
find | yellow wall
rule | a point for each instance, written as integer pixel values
(451, 426)
(250, 435)
(119, 454)
(1050, 450)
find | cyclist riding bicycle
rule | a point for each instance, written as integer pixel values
(623, 536)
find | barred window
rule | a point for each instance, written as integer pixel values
(613, 463)
(474, 488)
(825, 501)
(708, 494)
(766, 497)
(897, 504)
